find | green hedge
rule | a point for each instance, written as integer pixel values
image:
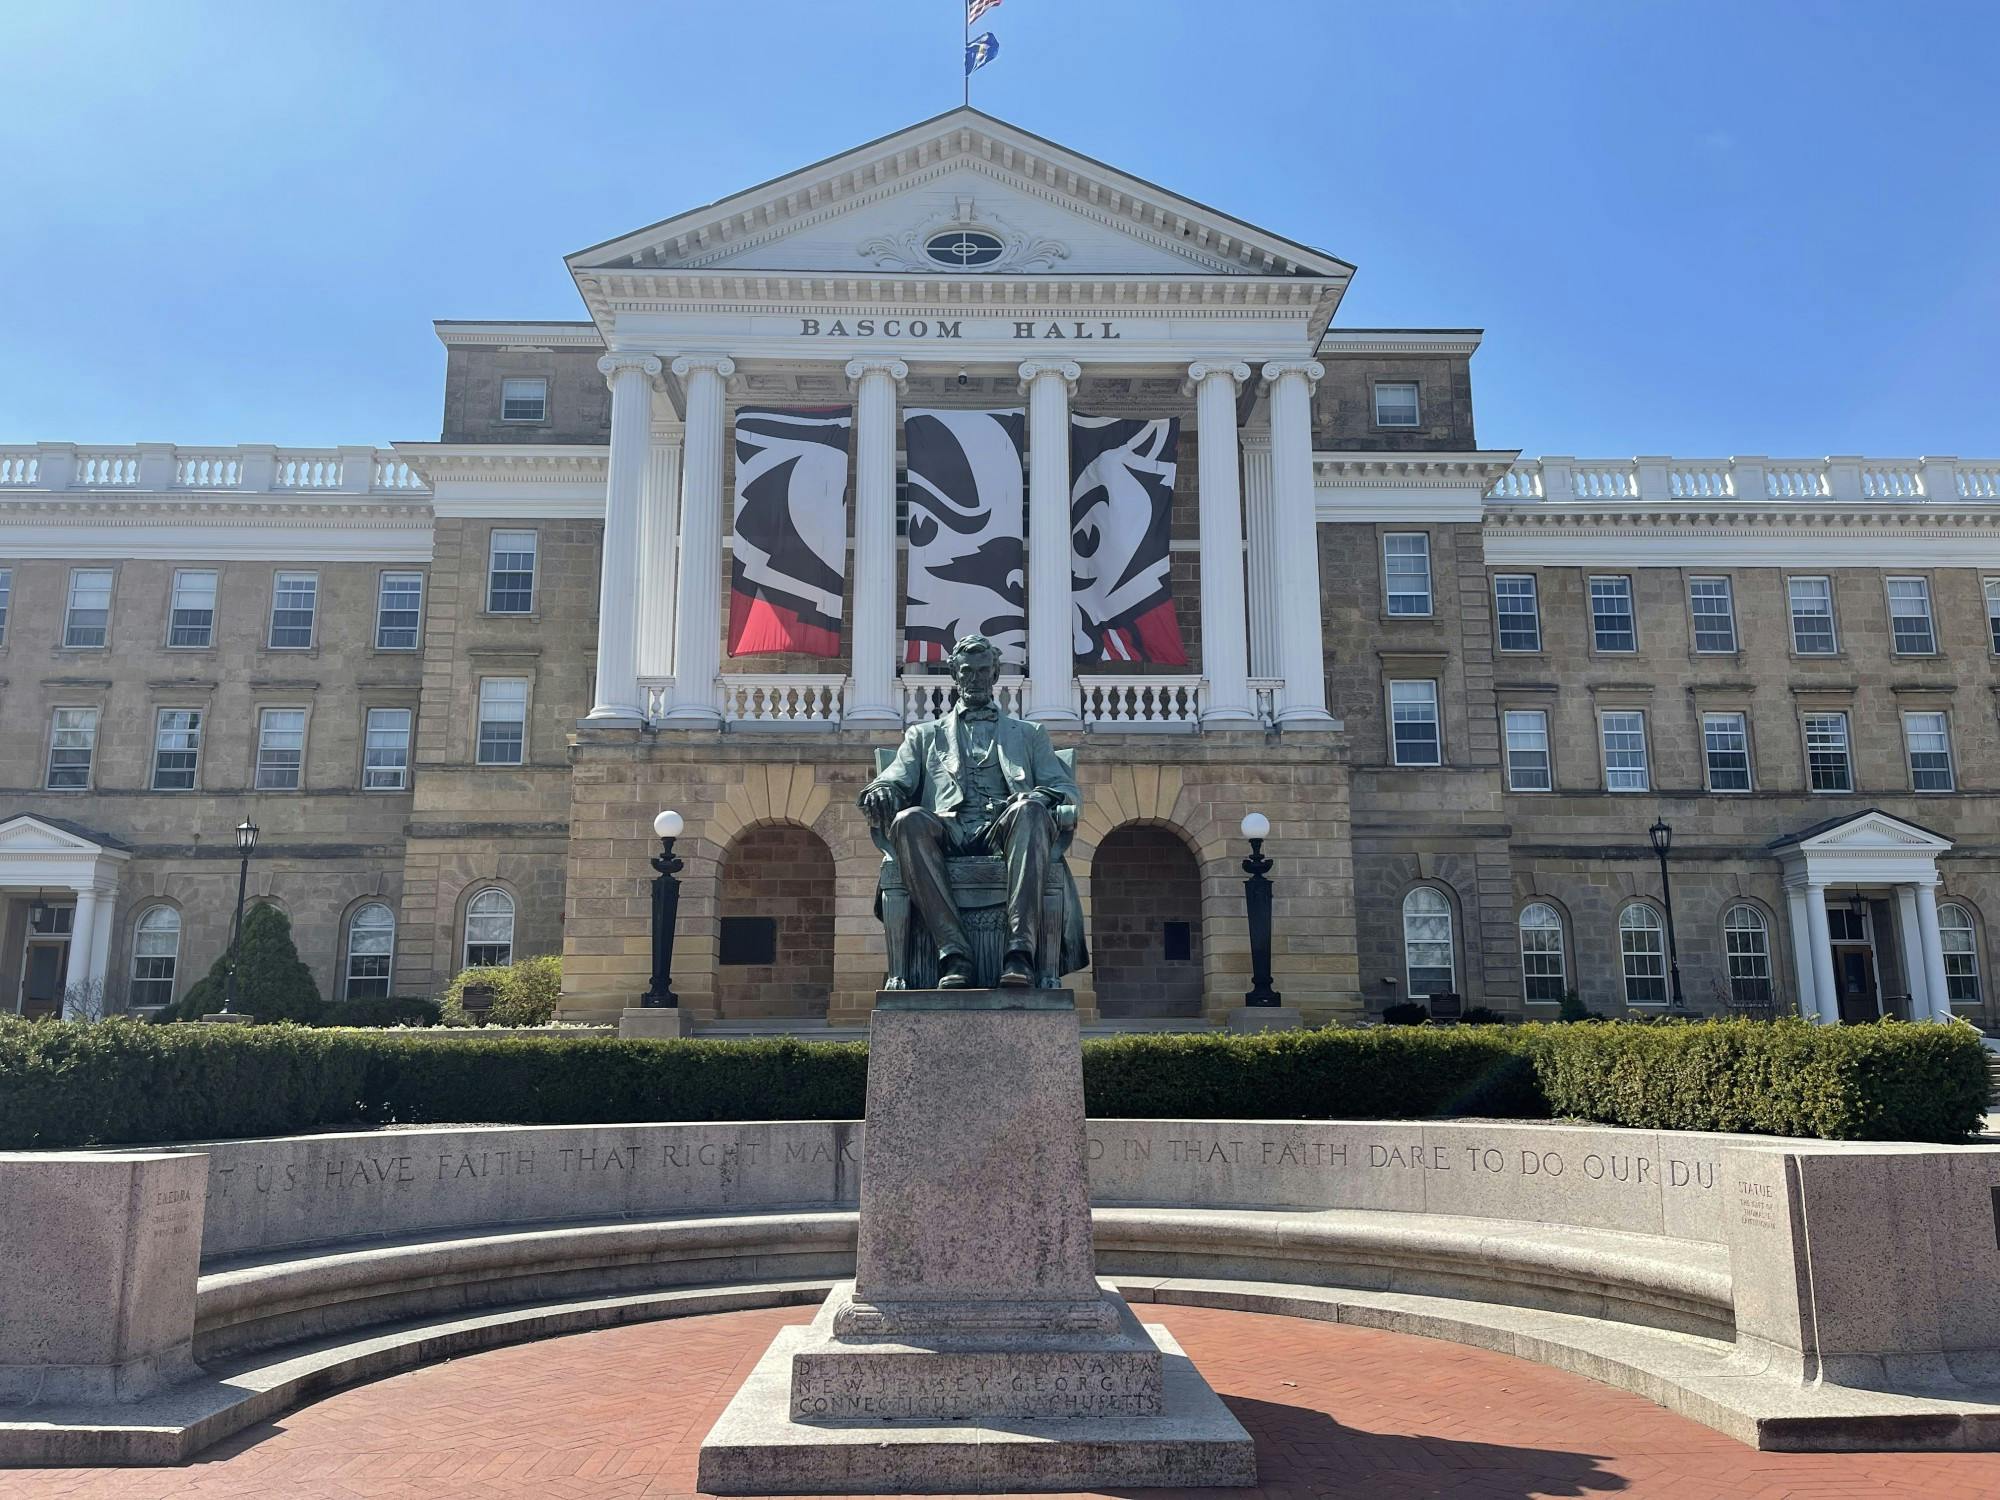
(67, 1085)
(525, 993)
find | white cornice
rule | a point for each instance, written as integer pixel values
(1375, 488)
(204, 527)
(519, 335)
(1456, 341)
(1778, 534)
(468, 480)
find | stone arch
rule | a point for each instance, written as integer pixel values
(1146, 896)
(776, 891)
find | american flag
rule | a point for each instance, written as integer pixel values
(976, 8)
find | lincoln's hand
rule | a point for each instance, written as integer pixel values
(880, 804)
(1060, 807)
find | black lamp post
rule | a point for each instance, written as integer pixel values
(246, 840)
(1662, 835)
(666, 911)
(1257, 900)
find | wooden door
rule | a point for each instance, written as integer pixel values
(1854, 980)
(43, 976)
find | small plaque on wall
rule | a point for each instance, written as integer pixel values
(749, 940)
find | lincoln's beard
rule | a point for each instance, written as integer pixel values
(976, 694)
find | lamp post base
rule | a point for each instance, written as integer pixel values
(227, 1018)
(652, 1022)
(1265, 1018)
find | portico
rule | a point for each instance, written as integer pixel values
(58, 892)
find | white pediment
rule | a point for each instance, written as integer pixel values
(1874, 832)
(27, 834)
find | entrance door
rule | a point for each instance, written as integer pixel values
(1854, 979)
(43, 976)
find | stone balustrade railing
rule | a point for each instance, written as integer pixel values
(815, 700)
(251, 469)
(1554, 479)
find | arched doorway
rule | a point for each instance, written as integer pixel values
(775, 955)
(1145, 925)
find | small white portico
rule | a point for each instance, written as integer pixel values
(1865, 856)
(58, 866)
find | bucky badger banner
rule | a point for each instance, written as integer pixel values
(968, 556)
(1121, 500)
(789, 545)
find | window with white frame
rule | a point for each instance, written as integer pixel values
(371, 951)
(1961, 954)
(1413, 714)
(1642, 943)
(7, 595)
(281, 749)
(1624, 735)
(510, 573)
(1517, 612)
(88, 619)
(72, 748)
(156, 953)
(1427, 954)
(1396, 403)
(503, 721)
(1812, 616)
(1406, 572)
(385, 765)
(294, 606)
(1928, 739)
(191, 612)
(1544, 978)
(1911, 629)
(489, 929)
(1992, 609)
(1746, 941)
(1829, 766)
(1528, 768)
(1712, 607)
(399, 611)
(1612, 627)
(1726, 744)
(176, 749)
(524, 398)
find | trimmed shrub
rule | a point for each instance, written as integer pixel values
(384, 1010)
(525, 993)
(1406, 1013)
(272, 981)
(1482, 1015)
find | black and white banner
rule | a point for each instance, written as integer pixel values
(968, 556)
(789, 546)
(1121, 504)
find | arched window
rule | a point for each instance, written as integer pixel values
(489, 928)
(1543, 976)
(371, 951)
(156, 953)
(1961, 954)
(1427, 943)
(1747, 940)
(1642, 941)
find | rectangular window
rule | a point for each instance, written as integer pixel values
(1910, 626)
(1812, 616)
(1726, 739)
(1517, 611)
(72, 746)
(399, 607)
(1528, 751)
(1928, 737)
(510, 573)
(1828, 766)
(1713, 611)
(524, 399)
(1611, 624)
(1992, 609)
(88, 622)
(7, 594)
(1406, 572)
(176, 749)
(294, 604)
(503, 721)
(1395, 403)
(1624, 732)
(281, 749)
(1413, 709)
(191, 619)
(385, 763)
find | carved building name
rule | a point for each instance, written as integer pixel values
(1068, 329)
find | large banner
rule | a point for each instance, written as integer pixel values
(789, 546)
(1121, 503)
(968, 554)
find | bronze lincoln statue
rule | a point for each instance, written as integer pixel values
(977, 781)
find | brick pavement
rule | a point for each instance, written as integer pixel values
(1344, 1413)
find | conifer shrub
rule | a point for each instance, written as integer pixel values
(525, 993)
(272, 981)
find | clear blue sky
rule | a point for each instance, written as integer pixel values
(1692, 228)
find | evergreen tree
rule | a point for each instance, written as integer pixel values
(272, 981)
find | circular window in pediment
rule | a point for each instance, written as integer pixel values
(963, 248)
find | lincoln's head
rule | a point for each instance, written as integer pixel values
(975, 662)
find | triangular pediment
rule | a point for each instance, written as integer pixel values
(1872, 831)
(27, 834)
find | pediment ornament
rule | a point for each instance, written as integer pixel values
(1018, 251)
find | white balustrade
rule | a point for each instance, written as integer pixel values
(657, 695)
(1892, 481)
(925, 696)
(195, 470)
(109, 470)
(1141, 702)
(1701, 479)
(391, 473)
(306, 471)
(1979, 481)
(1605, 481)
(245, 470)
(1522, 482)
(1881, 481)
(20, 467)
(1789, 479)
(775, 699)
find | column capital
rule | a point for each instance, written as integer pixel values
(897, 370)
(687, 364)
(1034, 369)
(1203, 369)
(1312, 369)
(611, 366)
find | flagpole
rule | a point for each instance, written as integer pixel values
(966, 11)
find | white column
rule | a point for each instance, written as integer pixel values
(1910, 940)
(1934, 980)
(1824, 987)
(698, 589)
(1048, 385)
(1802, 962)
(874, 703)
(1302, 704)
(1225, 651)
(631, 378)
(82, 934)
(659, 531)
(1260, 530)
(99, 971)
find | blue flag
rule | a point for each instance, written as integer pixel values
(980, 51)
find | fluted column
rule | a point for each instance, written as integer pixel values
(1933, 940)
(1301, 650)
(631, 378)
(1260, 533)
(1048, 385)
(698, 589)
(1225, 651)
(659, 532)
(876, 384)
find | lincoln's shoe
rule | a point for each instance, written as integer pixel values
(957, 974)
(1018, 971)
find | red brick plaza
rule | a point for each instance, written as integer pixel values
(1335, 1411)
